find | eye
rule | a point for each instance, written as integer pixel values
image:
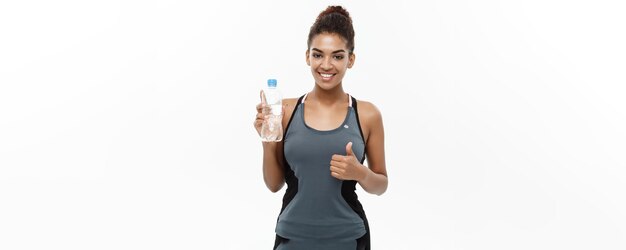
(338, 57)
(317, 55)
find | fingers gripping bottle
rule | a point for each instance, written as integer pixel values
(272, 128)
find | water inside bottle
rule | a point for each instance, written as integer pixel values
(272, 129)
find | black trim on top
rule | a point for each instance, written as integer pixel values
(348, 193)
(290, 177)
(348, 189)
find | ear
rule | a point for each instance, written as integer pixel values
(351, 59)
(307, 58)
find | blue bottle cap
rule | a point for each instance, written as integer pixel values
(271, 83)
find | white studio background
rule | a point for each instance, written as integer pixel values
(128, 124)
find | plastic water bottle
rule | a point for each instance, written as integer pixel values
(272, 128)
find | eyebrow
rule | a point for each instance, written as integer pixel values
(336, 51)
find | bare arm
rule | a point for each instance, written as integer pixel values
(273, 163)
(375, 180)
(273, 174)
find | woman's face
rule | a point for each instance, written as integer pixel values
(329, 59)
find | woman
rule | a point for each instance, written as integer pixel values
(323, 149)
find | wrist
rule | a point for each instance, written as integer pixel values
(269, 146)
(366, 172)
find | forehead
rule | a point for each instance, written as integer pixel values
(328, 42)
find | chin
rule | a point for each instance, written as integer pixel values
(326, 85)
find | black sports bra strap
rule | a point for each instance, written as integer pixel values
(358, 122)
(300, 99)
(292, 115)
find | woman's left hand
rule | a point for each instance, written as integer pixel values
(347, 167)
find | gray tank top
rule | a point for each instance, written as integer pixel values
(317, 209)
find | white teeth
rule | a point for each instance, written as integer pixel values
(326, 75)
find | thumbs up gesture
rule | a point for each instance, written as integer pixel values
(347, 167)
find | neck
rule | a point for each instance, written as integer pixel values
(328, 97)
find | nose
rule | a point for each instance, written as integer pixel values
(326, 64)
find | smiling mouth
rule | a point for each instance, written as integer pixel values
(326, 76)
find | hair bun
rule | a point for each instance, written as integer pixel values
(335, 9)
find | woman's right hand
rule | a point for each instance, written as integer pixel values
(261, 114)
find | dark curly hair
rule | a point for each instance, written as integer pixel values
(335, 20)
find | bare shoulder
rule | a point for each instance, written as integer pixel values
(289, 104)
(370, 119)
(290, 101)
(368, 111)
